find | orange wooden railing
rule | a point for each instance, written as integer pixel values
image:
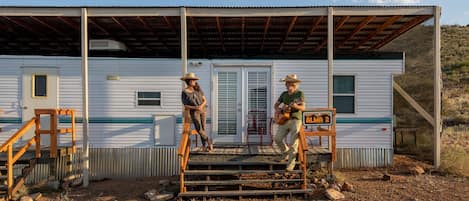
(184, 148)
(13, 157)
(320, 131)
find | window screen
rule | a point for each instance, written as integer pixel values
(146, 98)
(40, 85)
(344, 94)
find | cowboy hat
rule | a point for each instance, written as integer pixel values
(189, 76)
(290, 78)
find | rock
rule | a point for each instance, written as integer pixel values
(386, 177)
(26, 198)
(416, 170)
(164, 182)
(323, 183)
(315, 180)
(55, 185)
(335, 187)
(334, 195)
(150, 195)
(348, 187)
(163, 197)
(35, 196)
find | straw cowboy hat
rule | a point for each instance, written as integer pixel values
(291, 78)
(189, 76)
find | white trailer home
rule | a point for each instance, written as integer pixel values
(240, 54)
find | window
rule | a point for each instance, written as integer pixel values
(39, 85)
(344, 93)
(147, 98)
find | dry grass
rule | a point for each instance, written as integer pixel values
(455, 151)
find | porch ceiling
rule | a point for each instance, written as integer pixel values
(208, 37)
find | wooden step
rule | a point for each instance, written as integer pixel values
(238, 182)
(229, 163)
(235, 172)
(242, 193)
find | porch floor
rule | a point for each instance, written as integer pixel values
(253, 150)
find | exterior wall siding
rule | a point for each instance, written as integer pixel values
(116, 98)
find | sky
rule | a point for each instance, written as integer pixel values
(453, 11)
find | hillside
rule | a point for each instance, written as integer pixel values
(418, 78)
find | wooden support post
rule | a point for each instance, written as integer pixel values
(74, 146)
(330, 65)
(437, 87)
(53, 135)
(38, 135)
(10, 171)
(84, 67)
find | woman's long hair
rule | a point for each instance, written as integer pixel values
(197, 87)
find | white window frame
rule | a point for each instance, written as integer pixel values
(137, 99)
(348, 94)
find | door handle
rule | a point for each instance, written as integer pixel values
(25, 107)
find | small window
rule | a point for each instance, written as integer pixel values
(344, 94)
(148, 98)
(39, 85)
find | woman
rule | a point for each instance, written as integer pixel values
(193, 99)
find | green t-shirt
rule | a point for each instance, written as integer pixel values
(298, 97)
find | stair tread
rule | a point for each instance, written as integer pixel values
(228, 172)
(236, 163)
(245, 192)
(237, 182)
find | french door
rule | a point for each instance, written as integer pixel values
(241, 105)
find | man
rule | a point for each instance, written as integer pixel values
(294, 100)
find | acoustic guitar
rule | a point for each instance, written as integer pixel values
(282, 116)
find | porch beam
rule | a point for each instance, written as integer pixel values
(437, 86)
(255, 12)
(243, 28)
(220, 33)
(266, 29)
(339, 24)
(407, 26)
(84, 74)
(356, 30)
(47, 25)
(137, 11)
(99, 26)
(40, 11)
(69, 22)
(383, 26)
(290, 27)
(157, 36)
(137, 38)
(373, 10)
(413, 103)
(199, 35)
(314, 26)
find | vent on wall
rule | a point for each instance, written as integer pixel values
(106, 44)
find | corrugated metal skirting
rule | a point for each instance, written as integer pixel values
(116, 163)
(363, 157)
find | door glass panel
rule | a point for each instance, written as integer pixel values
(40, 85)
(257, 103)
(227, 103)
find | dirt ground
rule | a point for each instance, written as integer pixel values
(368, 183)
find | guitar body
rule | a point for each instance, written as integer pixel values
(283, 116)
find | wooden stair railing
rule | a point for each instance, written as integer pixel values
(184, 148)
(303, 145)
(13, 157)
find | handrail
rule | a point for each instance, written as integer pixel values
(184, 148)
(35, 121)
(303, 145)
(17, 135)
